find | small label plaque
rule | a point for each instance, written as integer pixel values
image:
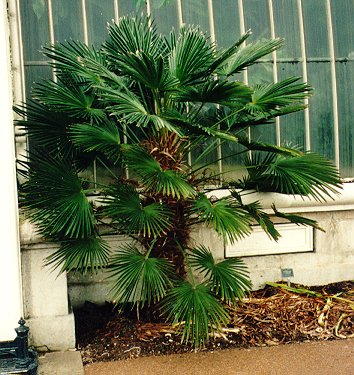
(287, 272)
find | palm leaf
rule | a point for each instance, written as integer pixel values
(196, 311)
(222, 57)
(248, 55)
(104, 138)
(261, 217)
(130, 35)
(138, 278)
(76, 62)
(45, 127)
(216, 91)
(308, 175)
(130, 110)
(191, 55)
(88, 254)
(261, 146)
(297, 219)
(149, 70)
(155, 179)
(55, 199)
(230, 222)
(267, 97)
(228, 278)
(69, 99)
(124, 206)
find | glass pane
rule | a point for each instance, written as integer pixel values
(286, 23)
(196, 13)
(35, 29)
(131, 7)
(35, 74)
(208, 161)
(321, 109)
(292, 126)
(67, 20)
(256, 15)
(342, 19)
(258, 74)
(233, 165)
(165, 16)
(226, 22)
(345, 74)
(316, 33)
(98, 14)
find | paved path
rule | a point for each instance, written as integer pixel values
(314, 358)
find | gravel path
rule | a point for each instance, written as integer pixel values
(313, 358)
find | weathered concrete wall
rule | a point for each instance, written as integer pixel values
(45, 301)
(46, 294)
(331, 260)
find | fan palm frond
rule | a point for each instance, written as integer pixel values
(124, 206)
(195, 310)
(138, 278)
(129, 109)
(44, 126)
(248, 55)
(104, 138)
(297, 219)
(228, 278)
(191, 56)
(223, 56)
(308, 175)
(216, 91)
(131, 35)
(261, 217)
(70, 62)
(230, 222)
(55, 196)
(154, 178)
(87, 254)
(69, 99)
(267, 97)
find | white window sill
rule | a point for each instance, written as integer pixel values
(291, 204)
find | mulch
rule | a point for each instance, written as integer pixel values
(272, 316)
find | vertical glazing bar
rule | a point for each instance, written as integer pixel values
(125, 138)
(213, 40)
(304, 74)
(180, 24)
(180, 14)
(84, 22)
(51, 29)
(245, 72)
(148, 8)
(86, 41)
(334, 82)
(242, 31)
(116, 10)
(274, 58)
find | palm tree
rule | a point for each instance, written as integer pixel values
(137, 108)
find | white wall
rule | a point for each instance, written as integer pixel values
(331, 260)
(10, 282)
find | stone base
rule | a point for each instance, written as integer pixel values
(52, 333)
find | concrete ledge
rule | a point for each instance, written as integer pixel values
(61, 363)
(52, 333)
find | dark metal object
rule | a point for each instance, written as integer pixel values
(15, 356)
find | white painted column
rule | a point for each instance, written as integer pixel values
(10, 276)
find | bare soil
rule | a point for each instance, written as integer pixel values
(269, 317)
